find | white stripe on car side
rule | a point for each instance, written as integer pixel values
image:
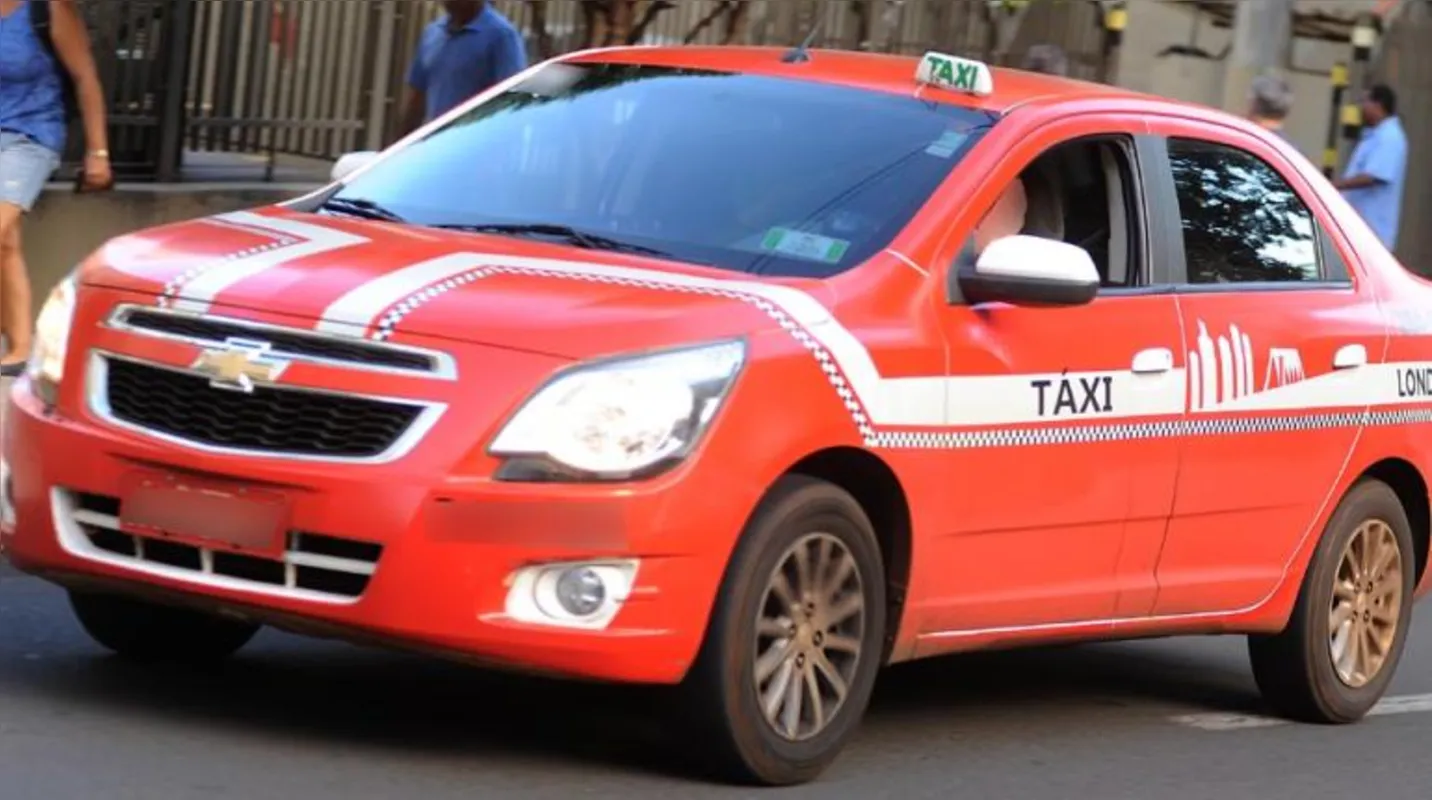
(196, 289)
(1370, 385)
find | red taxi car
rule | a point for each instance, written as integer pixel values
(753, 372)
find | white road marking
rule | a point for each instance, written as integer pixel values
(1404, 704)
(1226, 722)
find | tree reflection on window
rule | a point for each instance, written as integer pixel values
(1241, 221)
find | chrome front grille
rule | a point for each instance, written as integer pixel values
(265, 416)
(312, 564)
(292, 344)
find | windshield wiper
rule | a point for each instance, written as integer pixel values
(567, 233)
(360, 207)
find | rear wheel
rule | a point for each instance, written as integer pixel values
(150, 632)
(795, 641)
(1342, 645)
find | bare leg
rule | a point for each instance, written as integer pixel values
(15, 301)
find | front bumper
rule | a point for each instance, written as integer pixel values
(447, 550)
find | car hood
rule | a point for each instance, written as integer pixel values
(382, 280)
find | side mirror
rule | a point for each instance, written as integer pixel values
(1028, 270)
(351, 163)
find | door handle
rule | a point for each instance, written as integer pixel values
(1349, 356)
(1153, 360)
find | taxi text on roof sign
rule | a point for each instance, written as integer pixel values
(955, 73)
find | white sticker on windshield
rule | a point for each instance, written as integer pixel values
(805, 245)
(947, 144)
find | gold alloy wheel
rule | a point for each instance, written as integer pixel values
(1366, 603)
(809, 631)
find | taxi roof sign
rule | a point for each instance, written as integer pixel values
(955, 73)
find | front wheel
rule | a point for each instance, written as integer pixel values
(1342, 645)
(796, 638)
(149, 632)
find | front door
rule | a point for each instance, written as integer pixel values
(1064, 459)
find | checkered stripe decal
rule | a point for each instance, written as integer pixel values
(176, 284)
(389, 322)
(1023, 437)
(1127, 431)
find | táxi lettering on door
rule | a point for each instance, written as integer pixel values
(1415, 382)
(1075, 396)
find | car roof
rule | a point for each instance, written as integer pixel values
(876, 71)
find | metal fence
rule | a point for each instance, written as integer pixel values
(132, 53)
(317, 78)
(272, 76)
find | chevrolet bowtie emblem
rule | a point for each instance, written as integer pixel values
(239, 364)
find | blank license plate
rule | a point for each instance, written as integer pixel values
(205, 514)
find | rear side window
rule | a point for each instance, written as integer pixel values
(1242, 223)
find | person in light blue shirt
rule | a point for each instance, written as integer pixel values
(1375, 175)
(465, 52)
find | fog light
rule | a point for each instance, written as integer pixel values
(581, 591)
(574, 595)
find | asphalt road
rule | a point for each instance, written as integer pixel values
(293, 717)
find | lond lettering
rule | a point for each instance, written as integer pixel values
(1414, 382)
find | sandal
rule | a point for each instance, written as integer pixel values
(12, 370)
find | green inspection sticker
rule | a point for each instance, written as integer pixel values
(805, 245)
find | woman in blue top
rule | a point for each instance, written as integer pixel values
(33, 130)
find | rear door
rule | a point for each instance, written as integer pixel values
(1275, 334)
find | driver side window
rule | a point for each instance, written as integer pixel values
(1082, 193)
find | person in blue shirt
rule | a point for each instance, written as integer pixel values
(42, 55)
(460, 55)
(1376, 172)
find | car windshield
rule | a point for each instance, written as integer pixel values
(754, 174)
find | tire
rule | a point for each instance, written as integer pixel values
(737, 742)
(150, 632)
(1295, 669)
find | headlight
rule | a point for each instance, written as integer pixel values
(621, 418)
(52, 336)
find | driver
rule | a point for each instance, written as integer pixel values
(1029, 205)
(1005, 218)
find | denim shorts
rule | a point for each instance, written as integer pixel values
(25, 168)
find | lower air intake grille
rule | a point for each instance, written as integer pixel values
(311, 562)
